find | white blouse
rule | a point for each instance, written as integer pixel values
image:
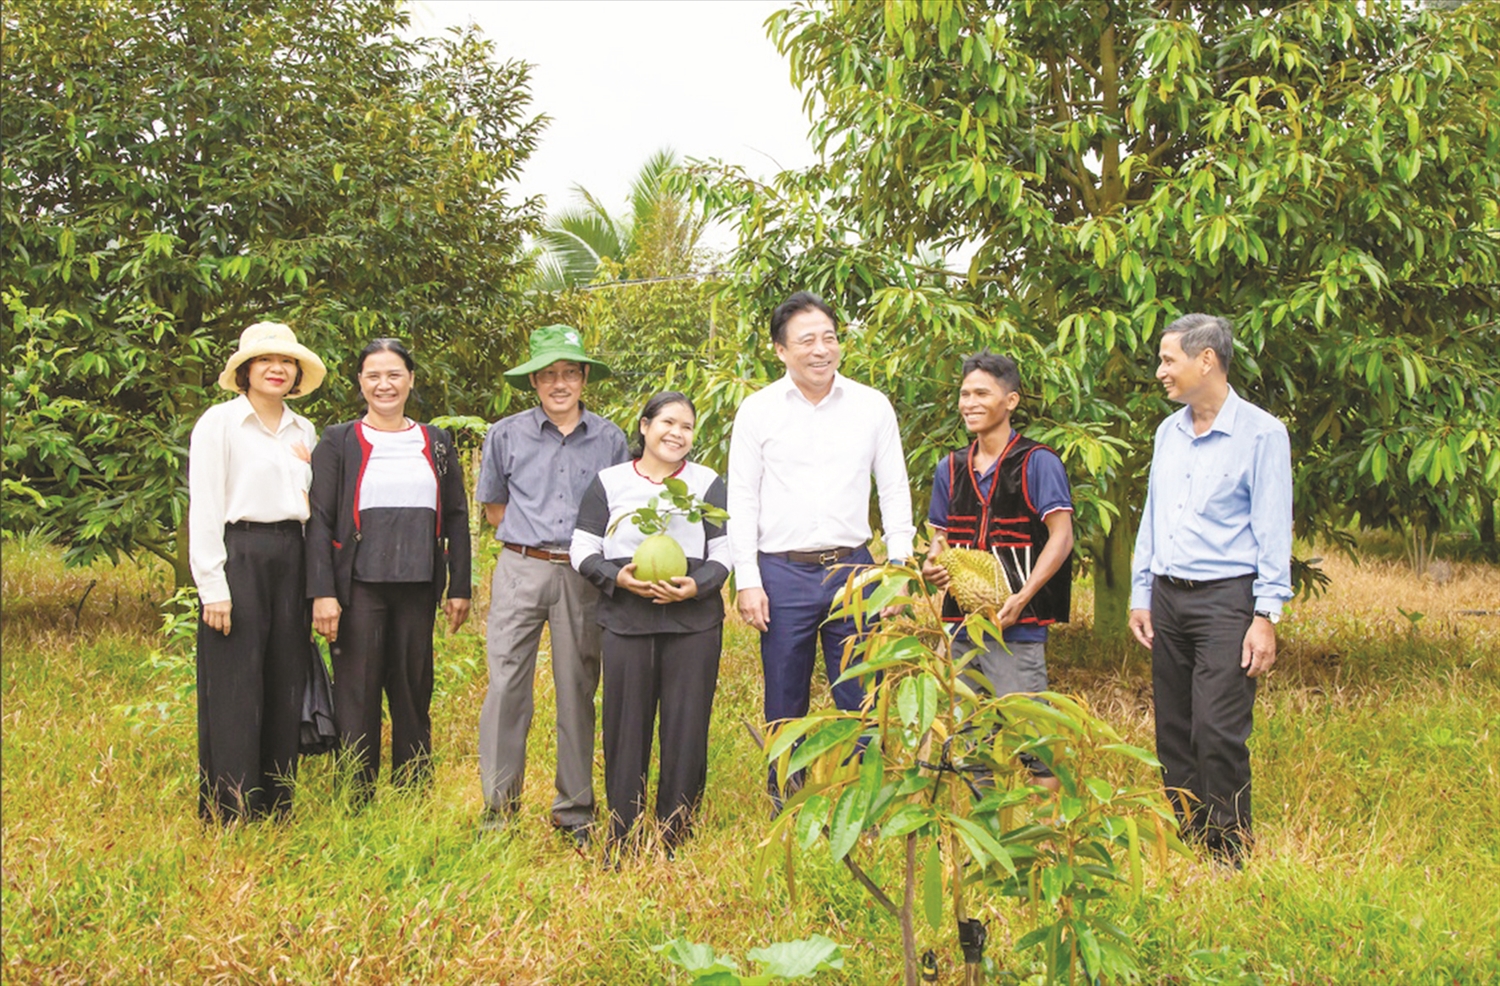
(238, 469)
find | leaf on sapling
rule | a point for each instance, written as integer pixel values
(932, 886)
(810, 820)
(847, 822)
(831, 735)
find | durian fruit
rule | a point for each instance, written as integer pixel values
(975, 579)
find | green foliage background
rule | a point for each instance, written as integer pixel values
(174, 171)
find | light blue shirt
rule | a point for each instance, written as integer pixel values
(1219, 504)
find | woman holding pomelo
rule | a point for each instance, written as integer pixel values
(662, 636)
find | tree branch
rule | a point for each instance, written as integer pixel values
(868, 884)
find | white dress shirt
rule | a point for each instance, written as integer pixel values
(799, 474)
(238, 469)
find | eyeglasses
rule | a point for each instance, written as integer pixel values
(572, 374)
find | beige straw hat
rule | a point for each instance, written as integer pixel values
(275, 339)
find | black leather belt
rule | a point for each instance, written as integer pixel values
(555, 557)
(826, 556)
(273, 527)
(1177, 583)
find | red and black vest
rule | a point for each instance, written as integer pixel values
(1007, 525)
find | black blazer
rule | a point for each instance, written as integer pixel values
(333, 539)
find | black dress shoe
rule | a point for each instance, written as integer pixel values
(581, 833)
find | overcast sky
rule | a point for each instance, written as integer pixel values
(622, 78)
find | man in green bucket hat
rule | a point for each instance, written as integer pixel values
(535, 468)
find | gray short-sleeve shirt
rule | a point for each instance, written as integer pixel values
(540, 475)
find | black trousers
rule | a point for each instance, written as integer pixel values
(1204, 703)
(385, 645)
(250, 682)
(678, 672)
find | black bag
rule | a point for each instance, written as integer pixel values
(319, 734)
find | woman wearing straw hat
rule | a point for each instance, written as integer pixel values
(389, 530)
(248, 475)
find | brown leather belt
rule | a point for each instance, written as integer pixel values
(827, 556)
(555, 557)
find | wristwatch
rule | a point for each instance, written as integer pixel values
(1266, 614)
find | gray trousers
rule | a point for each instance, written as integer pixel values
(526, 593)
(1024, 669)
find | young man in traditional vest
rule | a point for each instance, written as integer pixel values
(1009, 495)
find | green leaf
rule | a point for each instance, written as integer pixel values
(871, 773)
(697, 959)
(847, 823)
(927, 701)
(798, 959)
(788, 733)
(980, 843)
(932, 886)
(811, 818)
(829, 735)
(908, 818)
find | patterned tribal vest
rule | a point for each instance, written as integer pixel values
(1008, 524)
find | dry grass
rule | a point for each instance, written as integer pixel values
(1378, 801)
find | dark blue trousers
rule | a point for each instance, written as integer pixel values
(800, 595)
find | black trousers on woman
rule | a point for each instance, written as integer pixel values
(385, 645)
(677, 672)
(250, 682)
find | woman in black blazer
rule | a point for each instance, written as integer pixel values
(389, 528)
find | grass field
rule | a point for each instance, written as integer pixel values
(1377, 800)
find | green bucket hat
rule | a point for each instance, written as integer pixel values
(549, 344)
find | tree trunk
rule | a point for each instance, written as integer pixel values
(908, 907)
(1112, 553)
(1487, 521)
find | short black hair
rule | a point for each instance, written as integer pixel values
(652, 409)
(384, 344)
(802, 301)
(1002, 368)
(1200, 332)
(242, 377)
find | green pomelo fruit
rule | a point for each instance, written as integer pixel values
(659, 559)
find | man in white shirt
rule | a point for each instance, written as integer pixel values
(800, 462)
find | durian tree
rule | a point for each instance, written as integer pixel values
(1057, 181)
(174, 171)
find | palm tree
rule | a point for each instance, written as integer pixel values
(656, 238)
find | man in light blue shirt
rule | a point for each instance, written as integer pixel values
(1212, 569)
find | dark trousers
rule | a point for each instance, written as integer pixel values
(800, 595)
(385, 645)
(250, 682)
(1204, 703)
(677, 672)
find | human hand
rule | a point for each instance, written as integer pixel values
(300, 451)
(1010, 613)
(755, 608)
(457, 611)
(1140, 626)
(216, 615)
(627, 580)
(1258, 652)
(676, 590)
(326, 612)
(935, 573)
